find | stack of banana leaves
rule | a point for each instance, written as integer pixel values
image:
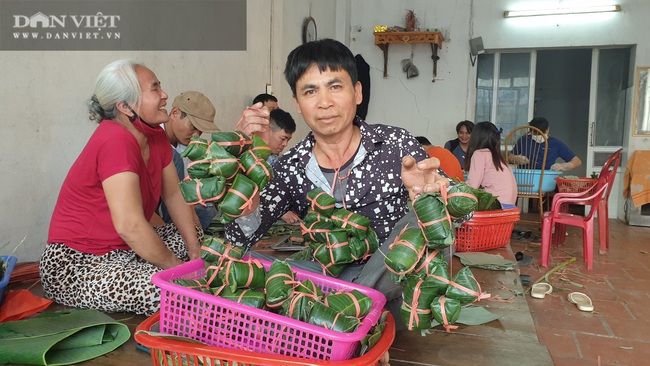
(276, 290)
(416, 262)
(336, 237)
(228, 171)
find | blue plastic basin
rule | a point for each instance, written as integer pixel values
(531, 176)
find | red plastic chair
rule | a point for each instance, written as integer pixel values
(607, 173)
(591, 197)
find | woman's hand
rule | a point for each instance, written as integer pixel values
(290, 217)
(422, 177)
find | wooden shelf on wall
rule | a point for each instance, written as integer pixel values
(435, 39)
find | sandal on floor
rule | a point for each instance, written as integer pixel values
(540, 290)
(582, 301)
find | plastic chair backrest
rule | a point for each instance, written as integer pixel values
(592, 197)
(530, 175)
(609, 170)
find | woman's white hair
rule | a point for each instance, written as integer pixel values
(117, 82)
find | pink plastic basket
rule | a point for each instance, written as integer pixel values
(224, 323)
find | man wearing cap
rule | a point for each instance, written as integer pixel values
(192, 114)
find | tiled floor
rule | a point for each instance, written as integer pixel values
(617, 332)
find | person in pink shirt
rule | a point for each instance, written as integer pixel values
(487, 167)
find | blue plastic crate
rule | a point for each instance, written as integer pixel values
(10, 262)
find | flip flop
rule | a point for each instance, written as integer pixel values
(540, 290)
(582, 301)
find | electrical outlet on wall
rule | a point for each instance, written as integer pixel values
(269, 89)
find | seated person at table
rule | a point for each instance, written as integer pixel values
(556, 149)
(102, 249)
(357, 163)
(448, 162)
(459, 145)
(487, 167)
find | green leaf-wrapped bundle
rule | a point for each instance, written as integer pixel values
(331, 319)
(199, 169)
(461, 200)
(213, 274)
(364, 248)
(405, 252)
(433, 267)
(250, 274)
(316, 231)
(310, 289)
(486, 201)
(195, 149)
(313, 216)
(255, 168)
(354, 223)
(465, 288)
(434, 220)
(446, 311)
(211, 189)
(260, 148)
(321, 202)
(237, 198)
(234, 142)
(416, 305)
(297, 306)
(221, 162)
(215, 250)
(199, 285)
(334, 250)
(322, 256)
(279, 283)
(352, 303)
(254, 298)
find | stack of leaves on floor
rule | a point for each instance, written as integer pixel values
(277, 290)
(416, 262)
(228, 170)
(336, 237)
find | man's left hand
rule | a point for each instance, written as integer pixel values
(422, 177)
(255, 120)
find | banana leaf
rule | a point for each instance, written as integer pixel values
(364, 248)
(221, 162)
(237, 274)
(254, 298)
(213, 276)
(373, 336)
(416, 305)
(446, 311)
(314, 216)
(351, 303)
(323, 256)
(297, 306)
(405, 252)
(465, 288)
(315, 231)
(199, 285)
(260, 148)
(434, 220)
(255, 168)
(199, 169)
(279, 283)
(195, 149)
(321, 202)
(214, 250)
(200, 191)
(237, 198)
(336, 248)
(461, 200)
(486, 201)
(354, 223)
(331, 319)
(433, 268)
(236, 143)
(309, 288)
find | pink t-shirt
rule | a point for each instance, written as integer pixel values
(81, 218)
(483, 174)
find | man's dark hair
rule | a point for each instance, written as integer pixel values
(540, 122)
(264, 98)
(283, 120)
(423, 140)
(326, 53)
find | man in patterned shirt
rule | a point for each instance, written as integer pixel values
(369, 169)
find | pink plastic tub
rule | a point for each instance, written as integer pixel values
(224, 323)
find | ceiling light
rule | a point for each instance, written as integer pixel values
(561, 11)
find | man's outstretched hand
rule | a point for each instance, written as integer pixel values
(422, 177)
(255, 120)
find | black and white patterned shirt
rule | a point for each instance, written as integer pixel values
(374, 186)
